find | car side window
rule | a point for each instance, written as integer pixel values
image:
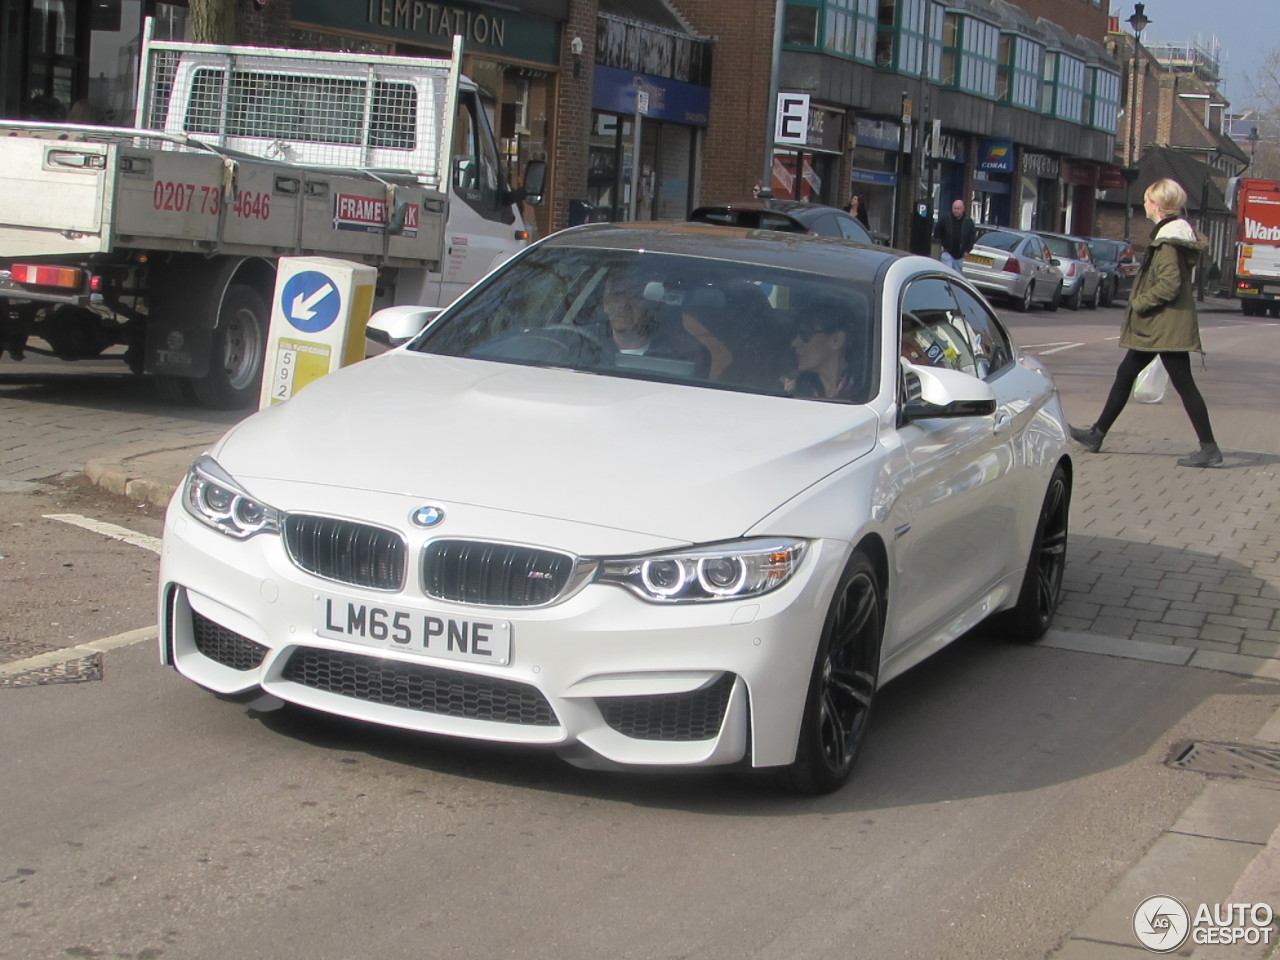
(930, 336)
(851, 229)
(944, 325)
(987, 340)
(825, 225)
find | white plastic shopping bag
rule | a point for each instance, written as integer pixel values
(1151, 383)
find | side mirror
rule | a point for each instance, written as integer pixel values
(390, 327)
(930, 392)
(1055, 262)
(535, 183)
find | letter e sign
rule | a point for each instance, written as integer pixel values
(792, 127)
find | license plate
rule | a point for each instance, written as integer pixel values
(1247, 290)
(422, 632)
(983, 261)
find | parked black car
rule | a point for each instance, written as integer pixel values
(1119, 265)
(792, 216)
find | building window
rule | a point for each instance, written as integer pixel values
(1020, 71)
(844, 27)
(970, 55)
(1104, 100)
(909, 37)
(1064, 92)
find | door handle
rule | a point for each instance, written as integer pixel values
(1003, 422)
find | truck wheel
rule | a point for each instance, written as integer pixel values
(235, 358)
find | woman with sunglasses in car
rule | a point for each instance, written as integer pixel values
(821, 344)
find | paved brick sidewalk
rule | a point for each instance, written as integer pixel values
(1173, 555)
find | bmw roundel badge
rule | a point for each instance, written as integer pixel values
(428, 516)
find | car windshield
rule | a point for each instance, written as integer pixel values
(1062, 247)
(999, 239)
(677, 318)
(1105, 249)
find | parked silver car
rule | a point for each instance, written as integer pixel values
(1081, 278)
(1015, 264)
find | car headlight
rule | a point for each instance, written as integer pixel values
(217, 501)
(721, 571)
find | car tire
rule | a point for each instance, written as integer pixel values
(1106, 293)
(842, 685)
(1042, 583)
(1055, 301)
(236, 352)
(1024, 304)
(1092, 302)
(1073, 301)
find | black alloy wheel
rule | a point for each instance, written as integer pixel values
(843, 683)
(1042, 584)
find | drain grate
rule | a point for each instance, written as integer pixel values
(79, 670)
(1227, 759)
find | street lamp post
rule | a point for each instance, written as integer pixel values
(1138, 22)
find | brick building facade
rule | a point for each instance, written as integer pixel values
(1012, 104)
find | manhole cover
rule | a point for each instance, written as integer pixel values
(78, 670)
(1227, 759)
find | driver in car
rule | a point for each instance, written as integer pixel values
(635, 324)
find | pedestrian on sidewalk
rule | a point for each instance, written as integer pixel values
(957, 235)
(1160, 321)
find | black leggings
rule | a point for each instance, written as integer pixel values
(1179, 367)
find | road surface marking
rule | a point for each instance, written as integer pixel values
(108, 529)
(1056, 347)
(66, 655)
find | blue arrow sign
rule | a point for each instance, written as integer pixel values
(310, 301)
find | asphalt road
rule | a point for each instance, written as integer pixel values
(1003, 789)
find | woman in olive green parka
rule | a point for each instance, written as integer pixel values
(1160, 321)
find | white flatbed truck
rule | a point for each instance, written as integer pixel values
(162, 238)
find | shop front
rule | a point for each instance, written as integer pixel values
(511, 50)
(1080, 190)
(949, 157)
(56, 55)
(874, 177)
(993, 181)
(643, 151)
(808, 170)
(1039, 194)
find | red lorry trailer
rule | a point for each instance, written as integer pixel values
(1257, 207)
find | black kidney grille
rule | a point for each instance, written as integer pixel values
(421, 687)
(225, 646)
(697, 715)
(346, 551)
(493, 574)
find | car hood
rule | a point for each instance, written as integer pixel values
(680, 462)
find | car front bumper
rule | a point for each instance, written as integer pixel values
(633, 682)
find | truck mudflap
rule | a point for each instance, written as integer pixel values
(179, 350)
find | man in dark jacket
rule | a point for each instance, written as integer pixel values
(957, 235)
